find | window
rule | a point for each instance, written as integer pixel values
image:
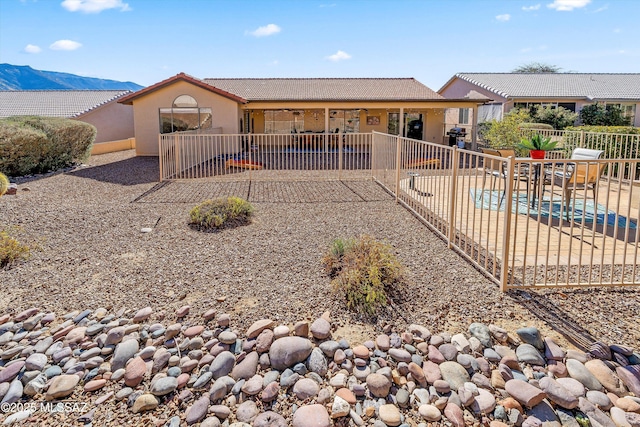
(628, 111)
(184, 115)
(463, 116)
(571, 106)
(344, 121)
(283, 121)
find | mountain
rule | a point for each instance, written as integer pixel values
(23, 77)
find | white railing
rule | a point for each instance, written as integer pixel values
(247, 156)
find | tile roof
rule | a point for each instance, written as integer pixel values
(593, 86)
(54, 103)
(327, 89)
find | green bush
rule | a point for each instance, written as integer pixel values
(212, 215)
(365, 270)
(558, 118)
(30, 144)
(11, 250)
(544, 126)
(4, 184)
(603, 115)
(506, 132)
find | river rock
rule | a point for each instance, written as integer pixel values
(164, 386)
(124, 351)
(269, 419)
(605, 376)
(286, 352)
(557, 393)
(222, 364)
(378, 385)
(311, 416)
(135, 371)
(321, 329)
(481, 332)
(145, 402)
(247, 368)
(247, 411)
(390, 415)
(257, 327)
(524, 392)
(62, 386)
(454, 373)
(527, 353)
(579, 372)
(531, 335)
(305, 388)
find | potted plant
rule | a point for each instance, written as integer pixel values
(537, 145)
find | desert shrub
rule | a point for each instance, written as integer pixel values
(4, 184)
(216, 214)
(11, 250)
(30, 144)
(365, 270)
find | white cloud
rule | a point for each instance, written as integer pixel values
(94, 6)
(568, 5)
(31, 48)
(531, 8)
(503, 18)
(338, 56)
(267, 30)
(65, 45)
(601, 9)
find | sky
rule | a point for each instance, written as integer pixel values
(146, 41)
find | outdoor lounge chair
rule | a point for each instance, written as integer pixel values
(580, 175)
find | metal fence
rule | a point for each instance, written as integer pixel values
(524, 222)
(262, 156)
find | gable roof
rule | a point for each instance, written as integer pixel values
(592, 86)
(54, 103)
(180, 77)
(327, 89)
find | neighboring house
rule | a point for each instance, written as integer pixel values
(569, 90)
(289, 105)
(100, 108)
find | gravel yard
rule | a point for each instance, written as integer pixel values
(87, 225)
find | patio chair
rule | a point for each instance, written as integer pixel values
(581, 175)
(496, 168)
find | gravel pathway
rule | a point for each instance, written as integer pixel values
(92, 254)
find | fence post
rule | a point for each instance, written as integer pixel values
(372, 153)
(506, 231)
(176, 147)
(340, 149)
(161, 157)
(452, 196)
(398, 165)
(581, 138)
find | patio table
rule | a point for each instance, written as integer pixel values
(537, 171)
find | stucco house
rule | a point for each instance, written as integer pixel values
(289, 105)
(113, 121)
(569, 90)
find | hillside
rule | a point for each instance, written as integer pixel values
(23, 77)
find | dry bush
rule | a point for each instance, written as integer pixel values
(212, 215)
(365, 270)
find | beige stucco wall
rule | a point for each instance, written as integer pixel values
(113, 121)
(225, 111)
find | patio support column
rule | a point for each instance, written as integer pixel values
(401, 122)
(474, 131)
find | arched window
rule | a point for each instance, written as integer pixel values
(184, 115)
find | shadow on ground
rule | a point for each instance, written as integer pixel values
(543, 308)
(132, 171)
